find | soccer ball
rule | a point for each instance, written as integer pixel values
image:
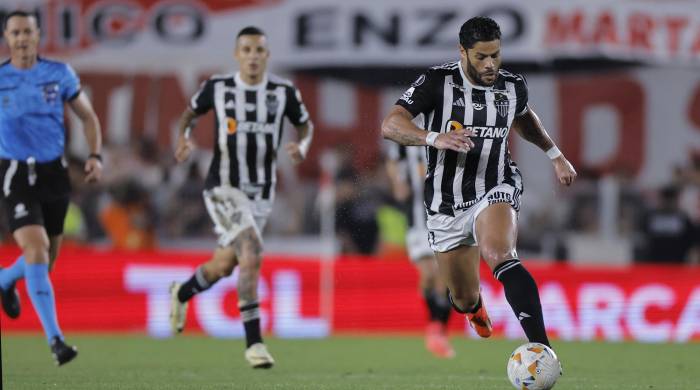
(533, 366)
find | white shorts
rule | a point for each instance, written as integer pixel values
(417, 244)
(232, 212)
(446, 232)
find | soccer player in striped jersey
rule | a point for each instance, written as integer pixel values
(406, 170)
(472, 190)
(249, 108)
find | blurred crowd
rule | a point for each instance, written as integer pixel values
(146, 201)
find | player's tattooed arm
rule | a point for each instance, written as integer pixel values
(398, 126)
(184, 146)
(530, 128)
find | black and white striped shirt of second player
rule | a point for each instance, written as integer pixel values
(248, 133)
(459, 186)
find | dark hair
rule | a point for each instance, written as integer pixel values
(21, 14)
(250, 30)
(478, 29)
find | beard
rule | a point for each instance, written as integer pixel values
(476, 76)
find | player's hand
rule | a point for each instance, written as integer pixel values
(566, 174)
(457, 140)
(183, 149)
(294, 152)
(93, 170)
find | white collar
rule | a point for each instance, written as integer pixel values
(244, 85)
(468, 83)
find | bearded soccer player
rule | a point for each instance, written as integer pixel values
(240, 186)
(36, 187)
(473, 187)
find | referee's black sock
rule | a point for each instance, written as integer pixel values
(523, 297)
(195, 285)
(250, 314)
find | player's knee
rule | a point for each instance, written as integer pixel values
(497, 253)
(250, 263)
(36, 253)
(465, 299)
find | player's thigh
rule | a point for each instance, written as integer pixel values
(248, 248)
(459, 269)
(497, 233)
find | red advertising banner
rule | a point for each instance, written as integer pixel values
(124, 292)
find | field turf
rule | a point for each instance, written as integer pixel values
(199, 362)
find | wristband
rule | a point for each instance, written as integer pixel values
(553, 152)
(431, 137)
(304, 146)
(96, 156)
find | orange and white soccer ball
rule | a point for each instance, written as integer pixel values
(533, 366)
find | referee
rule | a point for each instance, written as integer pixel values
(35, 183)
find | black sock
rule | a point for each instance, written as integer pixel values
(195, 285)
(250, 314)
(443, 307)
(523, 297)
(430, 302)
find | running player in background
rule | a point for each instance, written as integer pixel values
(240, 187)
(473, 187)
(36, 187)
(406, 169)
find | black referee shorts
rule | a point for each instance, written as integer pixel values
(35, 193)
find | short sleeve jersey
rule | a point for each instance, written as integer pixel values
(450, 101)
(31, 109)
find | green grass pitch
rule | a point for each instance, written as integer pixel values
(349, 362)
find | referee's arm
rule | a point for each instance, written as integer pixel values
(82, 107)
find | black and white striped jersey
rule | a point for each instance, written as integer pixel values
(248, 129)
(456, 181)
(411, 170)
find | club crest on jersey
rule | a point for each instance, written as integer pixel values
(50, 91)
(502, 104)
(271, 102)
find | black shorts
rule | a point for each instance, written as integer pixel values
(35, 194)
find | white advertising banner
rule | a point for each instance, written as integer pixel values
(183, 35)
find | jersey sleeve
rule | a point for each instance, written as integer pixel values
(295, 110)
(203, 100)
(70, 84)
(420, 96)
(521, 96)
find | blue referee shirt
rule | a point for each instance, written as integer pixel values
(31, 109)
